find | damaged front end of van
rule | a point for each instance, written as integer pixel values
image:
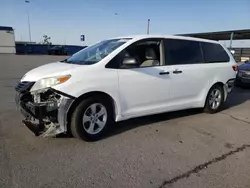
(44, 109)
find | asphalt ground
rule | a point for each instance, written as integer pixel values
(181, 149)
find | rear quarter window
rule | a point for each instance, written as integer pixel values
(214, 53)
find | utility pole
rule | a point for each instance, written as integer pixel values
(231, 40)
(148, 26)
(28, 20)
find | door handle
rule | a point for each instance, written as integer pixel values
(177, 72)
(163, 73)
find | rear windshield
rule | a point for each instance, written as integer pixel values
(97, 52)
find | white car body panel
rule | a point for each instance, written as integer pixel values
(49, 70)
(141, 91)
(189, 91)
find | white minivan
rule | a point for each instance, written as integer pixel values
(123, 78)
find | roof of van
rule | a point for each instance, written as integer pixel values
(138, 37)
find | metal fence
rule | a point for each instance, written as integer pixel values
(43, 49)
(241, 54)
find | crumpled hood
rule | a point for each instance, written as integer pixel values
(49, 70)
(245, 66)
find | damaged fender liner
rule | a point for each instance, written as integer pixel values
(48, 116)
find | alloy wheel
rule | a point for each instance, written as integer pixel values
(94, 118)
(215, 98)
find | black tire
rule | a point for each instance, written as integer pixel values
(208, 107)
(76, 125)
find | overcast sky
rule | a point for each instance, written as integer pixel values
(65, 20)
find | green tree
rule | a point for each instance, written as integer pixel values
(46, 40)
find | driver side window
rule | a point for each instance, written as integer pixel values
(144, 53)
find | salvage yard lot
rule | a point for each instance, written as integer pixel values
(181, 149)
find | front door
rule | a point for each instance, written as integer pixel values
(144, 89)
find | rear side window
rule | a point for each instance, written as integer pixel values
(178, 52)
(214, 53)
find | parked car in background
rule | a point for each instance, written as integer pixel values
(58, 50)
(243, 76)
(123, 78)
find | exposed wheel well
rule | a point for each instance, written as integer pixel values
(218, 83)
(99, 94)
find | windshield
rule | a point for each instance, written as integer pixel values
(97, 52)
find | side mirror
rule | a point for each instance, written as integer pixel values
(129, 61)
(232, 52)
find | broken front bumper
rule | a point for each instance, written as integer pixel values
(45, 118)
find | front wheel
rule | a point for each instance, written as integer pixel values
(215, 99)
(91, 119)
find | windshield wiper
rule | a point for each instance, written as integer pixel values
(64, 61)
(79, 62)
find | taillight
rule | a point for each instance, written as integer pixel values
(235, 67)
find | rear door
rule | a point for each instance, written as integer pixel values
(188, 74)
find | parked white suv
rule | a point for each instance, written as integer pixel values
(123, 78)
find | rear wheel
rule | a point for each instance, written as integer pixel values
(215, 99)
(91, 119)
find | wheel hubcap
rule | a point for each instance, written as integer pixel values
(94, 118)
(215, 99)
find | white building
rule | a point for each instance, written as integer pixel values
(7, 40)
